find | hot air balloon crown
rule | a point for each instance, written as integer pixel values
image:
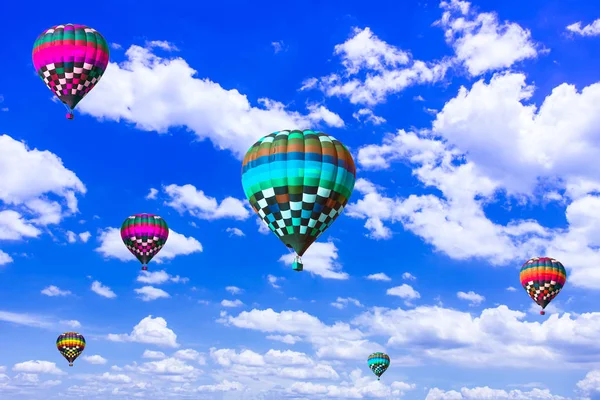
(298, 182)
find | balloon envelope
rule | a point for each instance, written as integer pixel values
(543, 278)
(70, 345)
(144, 235)
(70, 59)
(298, 182)
(378, 363)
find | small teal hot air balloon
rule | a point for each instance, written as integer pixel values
(379, 363)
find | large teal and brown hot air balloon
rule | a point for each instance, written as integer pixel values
(298, 182)
(70, 345)
(543, 278)
(70, 59)
(378, 363)
(144, 235)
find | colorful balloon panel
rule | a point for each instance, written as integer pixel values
(70, 59)
(298, 182)
(378, 363)
(543, 278)
(144, 235)
(70, 345)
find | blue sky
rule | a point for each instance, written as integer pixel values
(474, 127)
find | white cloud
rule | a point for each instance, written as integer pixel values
(484, 393)
(149, 293)
(55, 291)
(234, 232)
(230, 303)
(5, 258)
(341, 302)
(111, 245)
(404, 291)
(95, 359)
(85, 236)
(367, 116)
(190, 355)
(176, 98)
(287, 339)
(471, 296)
(480, 41)
(152, 194)
(320, 112)
(385, 70)
(225, 386)
(590, 385)
(234, 290)
(195, 202)
(592, 29)
(159, 277)
(263, 228)
(526, 149)
(320, 259)
(71, 237)
(511, 289)
(153, 354)
(101, 290)
(408, 276)
(277, 46)
(25, 319)
(150, 331)
(380, 276)
(38, 367)
(71, 323)
(28, 180)
(162, 44)
(273, 281)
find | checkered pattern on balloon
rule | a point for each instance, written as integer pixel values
(298, 182)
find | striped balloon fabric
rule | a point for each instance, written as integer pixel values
(70, 59)
(144, 235)
(298, 182)
(70, 345)
(543, 278)
(378, 363)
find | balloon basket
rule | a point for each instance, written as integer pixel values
(70, 116)
(70, 364)
(542, 312)
(144, 268)
(297, 265)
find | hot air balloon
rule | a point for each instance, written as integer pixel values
(543, 278)
(144, 235)
(70, 59)
(379, 363)
(298, 182)
(70, 345)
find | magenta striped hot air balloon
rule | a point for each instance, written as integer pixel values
(144, 235)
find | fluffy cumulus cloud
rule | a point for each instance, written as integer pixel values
(526, 154)
(480, 41)
(102, 290)
(36, 191)
(54, 291)
(471, 297)
(111, 246)
(380, 276)
(159, 277)
(149, 293)
(95, 359)
(320, 259)
(150, 331)
(156, 93)
(372, 70)
(188, 199)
